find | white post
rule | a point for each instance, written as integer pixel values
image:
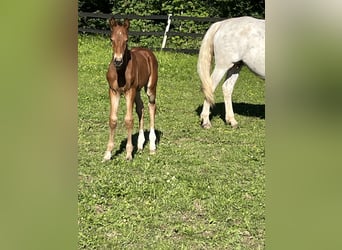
(166, 30)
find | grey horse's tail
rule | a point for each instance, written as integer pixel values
(204, 62)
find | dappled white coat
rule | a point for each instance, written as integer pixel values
(232, 41)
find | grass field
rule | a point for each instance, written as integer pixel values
(203, 189)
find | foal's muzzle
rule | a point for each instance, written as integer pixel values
(118, 62)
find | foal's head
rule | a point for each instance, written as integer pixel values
(119, 39)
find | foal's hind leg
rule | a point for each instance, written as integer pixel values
(151, 93)
(227, 88)
(139, 107)
(216, 77)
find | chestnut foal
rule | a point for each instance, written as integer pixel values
(129, 71)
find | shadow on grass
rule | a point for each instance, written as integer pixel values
(241, 108)
(123, 143)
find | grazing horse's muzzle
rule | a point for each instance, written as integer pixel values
(118, 62)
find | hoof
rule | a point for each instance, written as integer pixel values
(206, 125)
(233, 123)
(107, 156)
(152, 152)
(234, 126)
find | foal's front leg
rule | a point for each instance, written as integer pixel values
(130, 96)
(113, 120)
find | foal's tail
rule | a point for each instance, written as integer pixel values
(204, 62)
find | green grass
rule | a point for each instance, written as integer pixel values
(204, 189)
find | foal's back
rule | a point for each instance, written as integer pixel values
(145, 66)
(241, 39)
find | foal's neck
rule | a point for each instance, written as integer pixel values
(126, 58)
(121, 71)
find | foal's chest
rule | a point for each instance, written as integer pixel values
(117, 80)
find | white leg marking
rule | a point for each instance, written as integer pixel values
(152, 138)
(141, 139)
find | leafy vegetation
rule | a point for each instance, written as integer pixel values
(217, 8)
(212, 8)
(203, 189)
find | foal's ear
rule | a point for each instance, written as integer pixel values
(126, 23)
(112, 22)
